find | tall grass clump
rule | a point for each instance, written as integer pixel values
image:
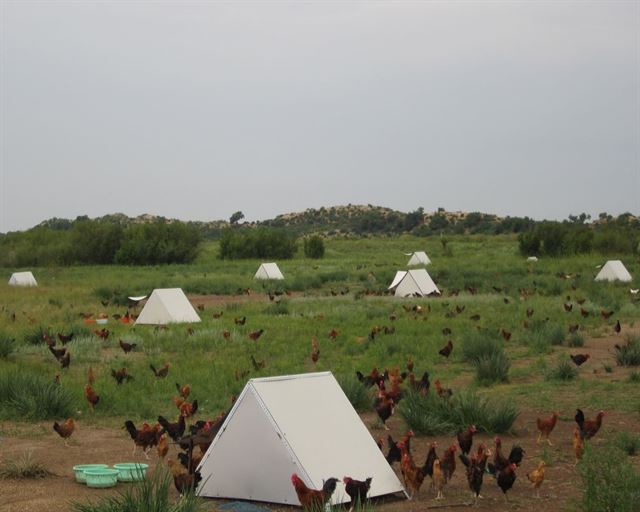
(609, 481)
(563, 370)
(575, 340)
(486, 352)
(357, 394)
(629, 354)
(148, 495)
(32, 396)
(492, 369)
(23, 467)
(7, 345)
(628, 442)
(479, 344)
(36, 335)
(543, 335)
(432, 415)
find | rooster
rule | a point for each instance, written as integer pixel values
(422, 385)
(161, 372)
(446, 350)
(369, 380)
(311, 498)
(175, 430)
(357, 490)
(127, 347)
(91, 396)
(147, 437)
(546, 426)
(65, 429)
(588, 428)
(475, 469)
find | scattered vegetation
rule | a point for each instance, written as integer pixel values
(629, 353)
(23, 467)
(355, 391)
(628, 442)
(31, 396)
(575, 340)
(564, 369)
(492, 369)
(258, 243)
(314, 247)
(7, 345)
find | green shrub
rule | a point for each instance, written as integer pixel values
(480, 344)
(576, 340)
(34, 397)
(529, 243)
(357, 394)
(158, 243)
(634, 377)
(609, 482)
(257, 243)
(541, 336)
(314, 247)
(23, 467)
(148, 495)
(7, 345)
(36, 335)
(432, 415)
(563, 370)
(277, 308)
(493, 368)
(629, 354)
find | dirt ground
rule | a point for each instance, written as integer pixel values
(112, 445)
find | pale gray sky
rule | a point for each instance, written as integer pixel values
(197, 109)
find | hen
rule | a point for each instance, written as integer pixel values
(255, 335)
(579, 359)
(65, 429)
(588, 428)
(446, 350)
(476, 466)
(161, 372)
(357, 490)
(506, 477)
(385, 408)
(91, 396)
(438, 478)
(127, 347)
(183, 390)
(412, 474)
(546, 426)
(465, 439)
(163, 447)
(578, 444)
(448, 462)
(147, 437)
(121, 375)
(536, 477)
(184, 481)
(312, 498)
(175, 430)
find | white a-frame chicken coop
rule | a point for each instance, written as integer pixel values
(300, 424)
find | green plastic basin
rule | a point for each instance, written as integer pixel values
(131, 471)
(101, 477)
(80, 469)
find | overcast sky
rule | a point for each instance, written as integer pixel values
(197, 109)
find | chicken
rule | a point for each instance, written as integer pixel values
(65, 338)
(475, 318)
(574, 328)
(606, 314)
(506, 477)
(127, 347)
(546, 426)
(448, 462)
(315, 350)
(369, 380)
(442, 392)
(65, 360)
(163, 447)
(240, 321)
(500, 461)
(422, 385)
(506, 335)
(465, 439)
(333, 334)
(431, 458)
(217, 314)
(578, 444)
(91, 396)
(257, 365)
(186, 409)
(579, 359)
(226, 334)
(568, 307)
(184, 481)
(438, 478)
(394, 454)
(255, 335)
(162, 372)
(413, 475)
(584, 313)
(311, 498)
(175, 430)
(102, 333)
(446, 331)
(588, 428)
(409, 365)
(190, 465)
(617, 328)
(184, 390)
(446, 350)
(121, 375)
(65, 429)
(530, 312)
(58, 353)
(536, 477)
(147, 437)
(357, 491)
(385, 409)
(475, 469)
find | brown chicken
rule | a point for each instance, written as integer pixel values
(579, 359)
(315, 350)
(536, 477)
(127, 347)
(584, 313)
(65, 360)
(357, 491)
(65, 429)
(546, 426)
(333, 334)
(617, 328)
(163, 446)
(588, 428)
(568, 307)
(448, 462)
(574, 328)
(186, 409)
(183, 391)
(257, 365)
(442, 392)
(446, 350)
(184, 481)
(226, 334)
(438, 479)
(255, 335)
(147, 437)
(465, 439)
(506, 335)
(121, 375)
(91, 396)
(606, 314)
(102, 333)
(413, 475)
(161, 372)
(65, 338)
(311, 498)
(240, 321)
(384, 409)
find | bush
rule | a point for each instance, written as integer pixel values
(629, 354)
(158, 243)
(576, 340)
(36, 335)
(357, 394)
(314, 247)
(609, 481)
(277, 308)
(563, 370)
(257, 243)
(493, 368)
(432, 415)
(34, 397)
(7, 345)
(542, 335)
(23, 467)
(148, 495)
(480, 344)
(529, 243)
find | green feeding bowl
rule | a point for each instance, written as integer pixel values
(81, 468)
(101, 477)
(131, 471)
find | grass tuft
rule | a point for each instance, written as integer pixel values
(628, 443)
(7, 345)
(492, 369)
(357, 394)
(575, 340)
(629, 354)
(563, 370)
(24, 467)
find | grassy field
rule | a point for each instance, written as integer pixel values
(328, 294)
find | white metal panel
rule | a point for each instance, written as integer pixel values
(167, 305)
(22, 279)
(396, 280)
(249, 459)
(614, 270)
